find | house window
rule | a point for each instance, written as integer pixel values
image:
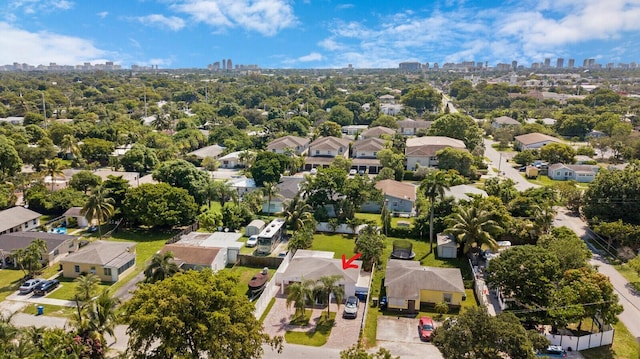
(107, 272)
(93, 270)
(34, 222)
(317, 152)
(558, 173)
(566, 174)
(76, 268)
(447, 298)
(26, 224)
(375, 153)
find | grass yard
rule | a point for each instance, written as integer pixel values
(302, 320)
(339, 244)
(245, 274)
(541, 180)
(50, 310)
(629, 274)
(67, 289)
(624, 346)
(317, 337)
(10, 281)
(375, 218)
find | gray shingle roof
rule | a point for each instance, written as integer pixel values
(16, 216)
(12, 241)
(102, 253)
(405, 279)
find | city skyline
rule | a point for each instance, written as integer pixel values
(317, 33)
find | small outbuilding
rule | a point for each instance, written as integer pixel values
(76, 212)
(254, 228)
(447, 247)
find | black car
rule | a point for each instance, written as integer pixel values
(45, 286)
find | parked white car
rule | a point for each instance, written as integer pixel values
(28, 286)
(252, 241)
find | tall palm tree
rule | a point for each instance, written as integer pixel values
(473, 226)
(543, 216)
(297, 212)
(270, 190)
(328, 285)
(53, 168)
(434, 186)
(102, 314)
(87, 285)
(220, 191)
(69, 144)
(98, 207)
(300, 293)
(160, 267)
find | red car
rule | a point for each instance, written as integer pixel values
(425, 328)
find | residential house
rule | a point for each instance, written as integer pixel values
(58, 245)
(410, 127)
(17, 219)
(534, 140)
(232, 160)
(323, 150)
(365, 155)
(76, 213)
(391, 109)
(352, 130)
(399, 197)
(387, 98)
(12, 120)
(545, 121)
(595, 134)
(578, 173)
(377, 132)
(228, 243)
(243, 185)
(584, 160)
(462, 192)
(108, 260)
(213, 151)
(504, 121)
(409, 285)
(289, 144)
(196, 257)
(288, 188)
(312, 265)
(421, 151)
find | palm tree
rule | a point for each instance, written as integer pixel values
(161, 122)
(270, 190)
(102, 314)
(434, 186)
(221, 191)
(160, 267)
(300, 293)
(328, 285)
(87, 285)
(69, 144)
(543, 216)
(53, 168)
(473, 226)
(297, 212)
(98, 207)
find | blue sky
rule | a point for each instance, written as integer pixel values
(316, 33)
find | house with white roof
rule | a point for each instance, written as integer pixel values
(421, 151)
(534, 140)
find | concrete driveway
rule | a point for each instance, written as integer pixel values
(400, 336)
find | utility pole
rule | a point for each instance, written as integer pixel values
(44, 111)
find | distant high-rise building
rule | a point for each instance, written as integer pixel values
(409, 66)
(224, 64)
(572, 63)
(514, 65)
(547, 63)
(559, 63)
(535, 65)
(229, 65)
(589, 63)
(426, 66)
(435, 66)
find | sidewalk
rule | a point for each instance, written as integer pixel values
(16, 297)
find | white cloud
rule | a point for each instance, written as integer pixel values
(103, 14)
(35, 6)
(331, 44)
(344, 6)
(31, 47)
(314, 56)
(267, 17)
(173, 23)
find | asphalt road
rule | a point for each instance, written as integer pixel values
(498, 160)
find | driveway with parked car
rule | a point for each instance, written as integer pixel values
(402, 337)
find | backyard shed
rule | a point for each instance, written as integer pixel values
(447, 247)
(254, 228)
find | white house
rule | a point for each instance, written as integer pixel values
(504, 121)
(17, 219)
(534, 140)
(578, 173)
(196, 257)
(285, 144)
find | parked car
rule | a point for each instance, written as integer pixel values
(353, 172)
(252, 241)
(28, 286)
(425, 327)
(313, 171)
(351, 307)
(553, 351)
(383, 303)
(45, 287)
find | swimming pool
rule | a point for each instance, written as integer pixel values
(58, 230)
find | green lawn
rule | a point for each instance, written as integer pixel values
(624, 346)
(67, 289)
(629, 274)
(302, 320)
(317, 337)
(50, 310)
(375, 218)
(245, 273)
(339, 244)
(10, 280)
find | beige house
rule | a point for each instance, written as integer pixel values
(108, 260)
(399, 197)
(409, 285)
(17, 219)
(504, 121)
(196, 257)
(377, 132)
(286, 144)
(323, 150)
(421, 151)
(365, 155)
(534, 140)
(411, 127)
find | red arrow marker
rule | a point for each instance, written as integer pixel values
(346, 264)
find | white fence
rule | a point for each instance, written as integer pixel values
(582, 342)
(342, 228)
(271, 288)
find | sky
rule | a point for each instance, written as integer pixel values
(316, 33)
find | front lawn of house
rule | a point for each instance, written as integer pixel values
(10, 281)
(315, 337)
(67, 289)
(50, 310)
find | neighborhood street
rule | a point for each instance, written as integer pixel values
(498, 160)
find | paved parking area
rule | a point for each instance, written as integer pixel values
(344, 333)
(400, 335)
